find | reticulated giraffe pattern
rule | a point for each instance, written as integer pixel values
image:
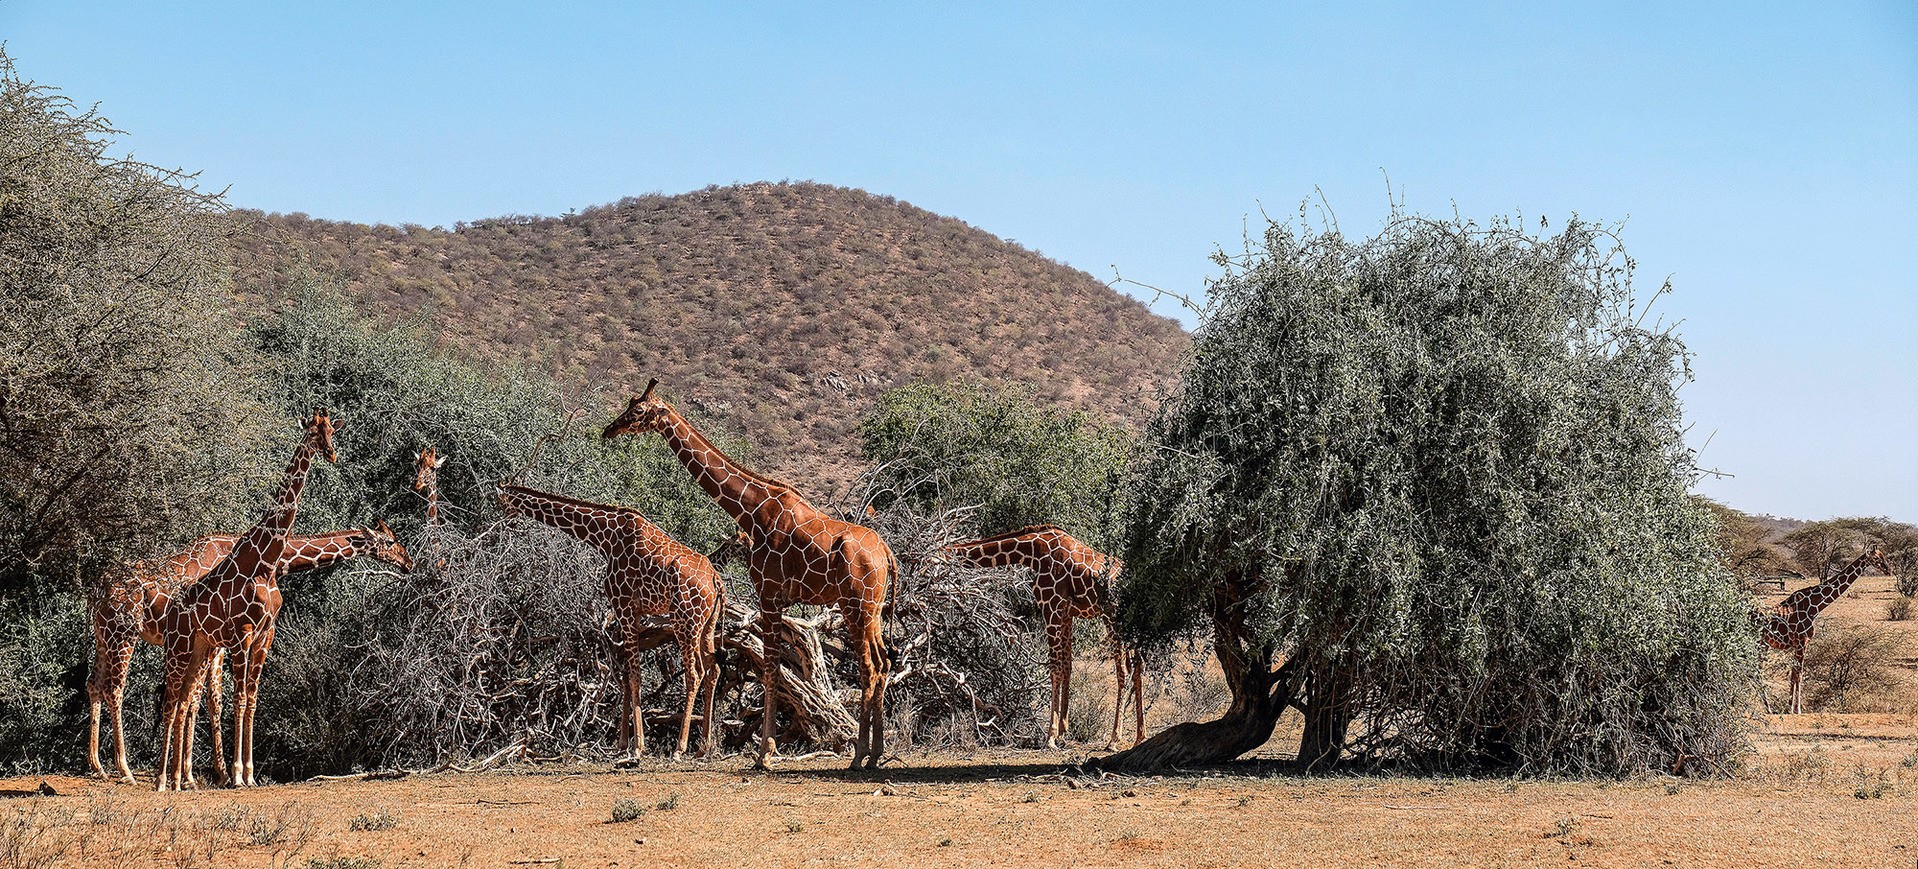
(795, 554)
(233, 608)
(426, 481)
(1790, 624)
(132, 607)
(1070, 581)
(648, 573)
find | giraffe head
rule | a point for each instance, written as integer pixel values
(507, 505)
(644, 414)
(381, 544)
(320, 428)
(429, 466)
(1875, 557)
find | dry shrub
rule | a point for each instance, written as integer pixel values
(1851, 669)
(1899, 609)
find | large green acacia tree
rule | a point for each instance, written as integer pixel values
(1431, 489)
(124, 421)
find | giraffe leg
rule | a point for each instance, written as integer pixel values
(635, 690)
(1118, 689)
(769, 681)
(856, 642)
(623, 742)
(1797, 680)
(1138, 697)
(695, 671)
(96, 692)
(255, 666)
(878, 666)
(1059, 650)
(710, 727)
(221, 775)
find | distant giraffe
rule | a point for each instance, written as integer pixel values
(132, 607)
(795, 554)
(1789, 625)
(426, 481)
(234, 607)
(1071, 581)
(648, 573)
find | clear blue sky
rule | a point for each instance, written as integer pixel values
(1765, 156)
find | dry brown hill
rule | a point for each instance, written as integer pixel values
(784, 308)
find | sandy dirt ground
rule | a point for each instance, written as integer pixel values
(1821, 790)
(1834, 790)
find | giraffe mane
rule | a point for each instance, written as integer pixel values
(1016, 532)
(576, 502)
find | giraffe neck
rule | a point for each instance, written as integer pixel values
(1826, 593)
(736, 490)
(267, 537)
(320, 550)
(432, 503)
(593, 523)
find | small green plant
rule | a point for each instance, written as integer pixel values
(1245, 801)
(627, 810)
(794, 826)
(1872, 784)
(372, 821)
(1910, 761)
(668, 804)
(946, 842)
(1672, 789)
(1032, 797)
(1564, 827)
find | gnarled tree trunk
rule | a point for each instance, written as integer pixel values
(1260, 693)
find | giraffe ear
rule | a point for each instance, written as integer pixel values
(649, 389)
(439, 461)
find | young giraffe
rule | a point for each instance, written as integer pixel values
(795, 554)
(1791, 622)
(233, 608)
(426, 480)
(132, 609)
(1071, 581)
(648, 573)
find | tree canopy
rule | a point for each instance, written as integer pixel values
(125, 418)
(1440, 475)
(1020, 461)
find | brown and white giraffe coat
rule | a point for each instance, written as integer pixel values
(132, 608)
(233, 608)
(1790, 624)
(795, 554)
(648, 573)
(1070, 581)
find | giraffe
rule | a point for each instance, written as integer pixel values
(1789, 625)
(426, 480)
(1071, 581)
(648, 573)
(795, 554)
(233, 608)
(133, 608)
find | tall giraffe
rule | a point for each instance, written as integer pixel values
(233, 608)
(132, 608)
(795, 554)
(648, 573)
(1789, 625)
(1071, 581)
